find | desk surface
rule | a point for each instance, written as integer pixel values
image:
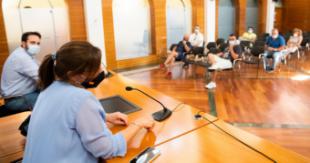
(180, 138)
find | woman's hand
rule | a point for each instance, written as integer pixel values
(117, 118)
(145, 122)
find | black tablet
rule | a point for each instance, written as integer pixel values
(118, 104)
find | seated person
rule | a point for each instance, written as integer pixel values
(20, 75)
(274, 46)
(217, 62)
(196, 40)
(183, 48)
(249, 35)
(232, 41)
(294, 41)
(171, 59)
(68, 123)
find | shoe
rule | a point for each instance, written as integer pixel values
(211, 85)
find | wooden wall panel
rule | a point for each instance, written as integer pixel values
(240, 6)
(158, 18)
(296, 14)
(262, 19)
(198, 14)
(4, 51)
(278, 21)
(77, 20)
(109, 34)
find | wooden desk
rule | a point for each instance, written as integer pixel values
(11, 141)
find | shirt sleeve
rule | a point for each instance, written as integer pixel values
(29, 68)
(282, 41)
(94, 133)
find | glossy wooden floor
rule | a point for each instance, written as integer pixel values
(277, 104)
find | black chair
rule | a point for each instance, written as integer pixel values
(259, 43)
(256, 52)
(263, 37)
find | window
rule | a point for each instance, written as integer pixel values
(179, 20)
(252, 14)
(132, 28)
(226, 18)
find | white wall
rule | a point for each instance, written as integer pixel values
(270, 15)
(132, 28)
(179, 20)
(94, 25)
(210, 14)
(50, 18)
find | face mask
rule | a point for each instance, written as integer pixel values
(274, 36)
(33, 49)
(250, 31)
(94, 82)
(295, 34)
(233, 42)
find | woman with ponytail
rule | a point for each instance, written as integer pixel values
(68, 123)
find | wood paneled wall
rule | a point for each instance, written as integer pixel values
(296, 14)
(4, 51)
(198, 14)
(77, 20)
(262, 18)
(240, 17)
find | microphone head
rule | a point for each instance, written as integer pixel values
(128, 88)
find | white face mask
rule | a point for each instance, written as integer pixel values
(196, 31)
(250, 31)
(233, 42)
(274, 36)
(33, 49)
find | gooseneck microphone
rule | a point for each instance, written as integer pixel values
(160, 115)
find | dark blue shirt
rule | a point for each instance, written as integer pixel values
(181, 50)
(275, 43)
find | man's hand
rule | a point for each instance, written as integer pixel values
(117, 118)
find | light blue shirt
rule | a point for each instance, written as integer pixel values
(19, 74)
(68, 126)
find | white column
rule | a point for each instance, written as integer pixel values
(210, 17)
(270, 15)
(94, 25)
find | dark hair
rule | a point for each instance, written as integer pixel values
(232, 34)
(75, 57)
(27, 34)
(173, 46)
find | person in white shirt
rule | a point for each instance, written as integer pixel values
(20, 74)
(196, 38)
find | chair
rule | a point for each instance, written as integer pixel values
(246, 45)
(257, 52)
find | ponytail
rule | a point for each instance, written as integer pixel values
(46, 72)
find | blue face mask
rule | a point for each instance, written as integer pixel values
(33, 49)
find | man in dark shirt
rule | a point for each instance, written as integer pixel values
(183, 48)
